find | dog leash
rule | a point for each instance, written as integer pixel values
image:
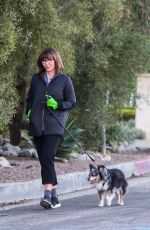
(91, 158)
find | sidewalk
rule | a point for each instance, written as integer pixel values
(14, 192)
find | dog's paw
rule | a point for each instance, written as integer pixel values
(121, 203)
(118, 202)
(109, 202)
(100, 205)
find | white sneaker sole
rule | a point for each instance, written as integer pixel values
(56, 206)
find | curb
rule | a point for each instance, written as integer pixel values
(14, 192)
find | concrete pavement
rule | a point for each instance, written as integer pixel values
(14, 192)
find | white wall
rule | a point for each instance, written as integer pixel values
(143, 104)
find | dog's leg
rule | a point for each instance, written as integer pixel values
(121, 197)
(101, 198)
(118, 196)
(121, 202)
(111, 197)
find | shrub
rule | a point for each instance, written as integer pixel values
(8, 101)
(123, 131)
(67, 144)
(127, 113)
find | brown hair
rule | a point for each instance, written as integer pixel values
(48, 53)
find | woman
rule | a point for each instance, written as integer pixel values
(50, 89)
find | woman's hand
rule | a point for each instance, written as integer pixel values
(51, 102)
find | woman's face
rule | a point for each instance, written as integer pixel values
(49, 64)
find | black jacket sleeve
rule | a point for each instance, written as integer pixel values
(69, 96)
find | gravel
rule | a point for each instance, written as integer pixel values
(25, 169)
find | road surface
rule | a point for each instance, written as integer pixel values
(80, 211)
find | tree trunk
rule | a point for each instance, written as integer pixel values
(104, 151)
(16, 122)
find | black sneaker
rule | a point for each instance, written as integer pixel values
(46, 202)
(55, 203)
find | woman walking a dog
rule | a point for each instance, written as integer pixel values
(51, 92)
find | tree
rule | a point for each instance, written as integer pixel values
(117, 51)
(106, 42)
(39, 27)
(8, 39)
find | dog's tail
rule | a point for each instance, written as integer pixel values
(124, 187)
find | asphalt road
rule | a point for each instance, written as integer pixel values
(80, 211)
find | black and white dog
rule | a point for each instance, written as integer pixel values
(110, 184)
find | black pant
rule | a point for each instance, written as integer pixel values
(46, 146)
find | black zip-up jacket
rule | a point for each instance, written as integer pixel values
(41, 121)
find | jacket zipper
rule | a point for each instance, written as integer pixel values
(43, 111)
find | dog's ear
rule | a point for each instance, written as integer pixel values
(103, 170)
(91, 166)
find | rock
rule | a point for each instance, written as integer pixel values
(6, 140)
(26, 144)
(28, 153)
(4, 162)
(145, 149)
(10, 153)
(10, 150)
(84, 157)
(136, 146)
(9, 147)
(74, 155)
(33, 153)
(126, 147)
(25, 153)
(121, 148)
